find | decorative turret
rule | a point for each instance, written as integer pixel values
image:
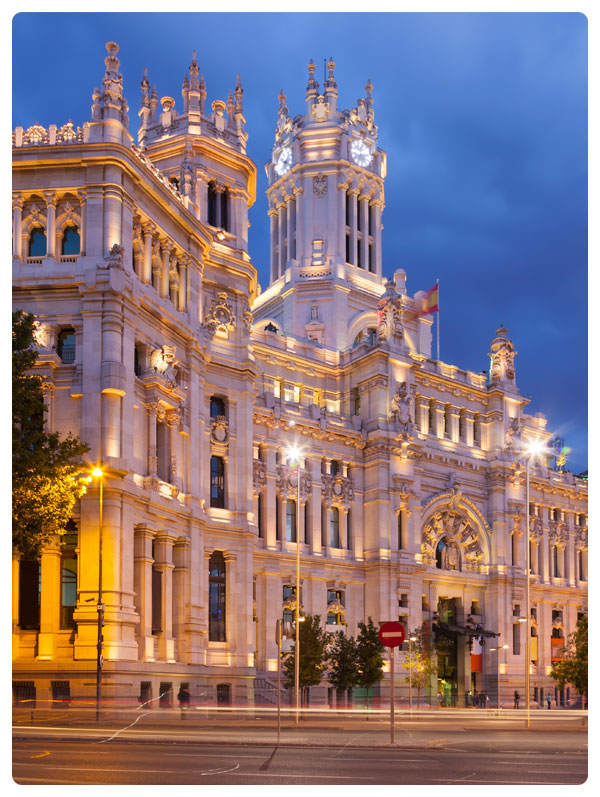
(109, 105)
(331, 91)
(502, 359)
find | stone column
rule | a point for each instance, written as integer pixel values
(181, 575)
(82, 196)
(231, 599)
(377, 206)
(273, 244)
(344, 527)
(454, 425)
(112, 208)
(469, 420)
(148, 230)
(152, 408)
(142, 579)
(163, 551)
(164, 272)
(353, 194)
(315, 507)
(438, 419)
(326, 528)
(18, 203)
(182, 295)
(341, 189)
(281, 221)
(290, 225)
(173, 421)
(298, 226)
(269, 497)
(174, 278)
(49, 601)
(364, 218)
(50, 224)
(422, 414)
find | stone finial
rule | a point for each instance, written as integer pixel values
(145, 84)
(111, 104)
(194, 70)
(239, 95)
(330, 77)
(202, 87)
(283, 111)
(502, 358)
(312, 83)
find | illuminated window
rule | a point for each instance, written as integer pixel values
(29, 595)
(290, 520)
(335, 527)
(68, 577)
(277, 388)
(216, 598)
(217, 407)
(37, 242)
(217, 482)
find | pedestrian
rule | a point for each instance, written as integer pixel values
(548, 701)
(517, 698)
(475, 698)
(440, 698)
(184, 699)
(482, 699)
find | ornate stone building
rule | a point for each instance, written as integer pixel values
(156, 347)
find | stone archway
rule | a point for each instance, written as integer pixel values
(454, 535)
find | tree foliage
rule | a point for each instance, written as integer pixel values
(343, 662)
(369, 655)
(419, 662)
(573, 669)
(47, 476)
(313, 653)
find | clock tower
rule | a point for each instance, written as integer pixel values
(326, 197)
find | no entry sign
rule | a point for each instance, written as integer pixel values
(392, 634)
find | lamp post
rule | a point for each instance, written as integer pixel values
(99, 474)
(532, 448)
(293, 455)
(411, 639)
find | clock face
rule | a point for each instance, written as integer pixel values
(361, 154)
(284, 161)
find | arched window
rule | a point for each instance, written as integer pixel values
(216, 598)
(66, 345)
(290, 520)
(71, 242)
(217, 482)
(217, 407)
(335, 527)
(212, 205)
(439, 553)
(37, 242)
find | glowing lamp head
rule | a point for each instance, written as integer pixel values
(97, 472)
(293, 455)
(535, 447)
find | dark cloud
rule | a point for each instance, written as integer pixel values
(483, 117)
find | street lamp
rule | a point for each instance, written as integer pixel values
(532, 449)
(98, 473)
(411, 639)
(293, 456)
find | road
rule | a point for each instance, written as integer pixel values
(344, 753)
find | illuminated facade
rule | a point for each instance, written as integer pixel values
(157, 348)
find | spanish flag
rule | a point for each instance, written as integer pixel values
(428, 303)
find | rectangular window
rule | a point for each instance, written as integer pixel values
(68, 591)
(349, 528)
(555, 561)
(277, 518)
(290, 520)
(29, 595)
(347, 248)
(217, 482)
(401, 531)
(335, 527)
(403, 600)
(165, 694)
(61, 694)
(24, 693)
(306, 521)
(259, 519)
(156, 601)
(216, 598)
(516, 639)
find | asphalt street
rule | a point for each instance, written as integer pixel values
(220, 749)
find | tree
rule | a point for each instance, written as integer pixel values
(343, 662)
(419, 662)
(573, 669)
(47, 478)
(313, 654)
(369, 655)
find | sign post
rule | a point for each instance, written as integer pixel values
(391, 635)
(278, 638)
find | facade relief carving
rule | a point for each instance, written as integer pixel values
(219, 315)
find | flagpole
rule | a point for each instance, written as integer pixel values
(438, 319)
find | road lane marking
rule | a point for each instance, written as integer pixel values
(40, 755)
(220, 770)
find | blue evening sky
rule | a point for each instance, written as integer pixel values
(484, 120)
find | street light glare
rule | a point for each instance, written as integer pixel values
(97, 472)
(535, 447)
(293, 454)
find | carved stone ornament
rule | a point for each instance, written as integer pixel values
(320, 184)
(162, 361)
(219, 315)
(41, 336)
(115, 257)
(219, 430)
(502, 358)
(462, 547)
(400, 412)
(287, 481)
(337, 490)
(513, 434)
(259, 474)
